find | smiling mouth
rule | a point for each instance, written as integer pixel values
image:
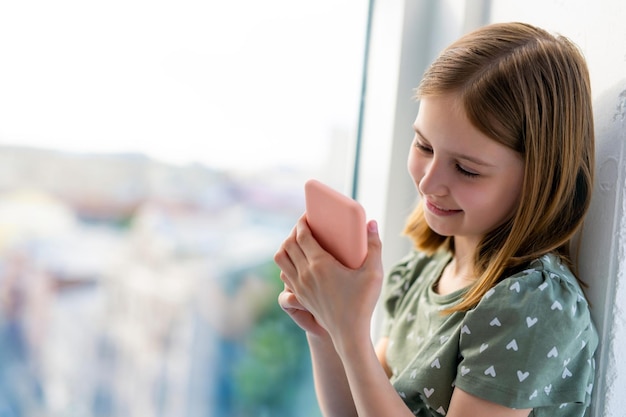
(440, 211)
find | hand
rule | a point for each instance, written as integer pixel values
(300, 315)
(340, 300)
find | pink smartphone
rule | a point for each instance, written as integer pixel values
(337, 222)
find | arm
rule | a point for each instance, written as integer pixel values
(331, 385)
(340, 303)
(381, 354)
(374, 396)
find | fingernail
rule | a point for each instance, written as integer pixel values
(373, 226)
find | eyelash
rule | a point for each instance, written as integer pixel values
(460, 170)
(465, 172)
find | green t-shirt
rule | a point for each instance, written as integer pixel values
(529, 343)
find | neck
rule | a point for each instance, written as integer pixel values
(463, 259)
(459, 273)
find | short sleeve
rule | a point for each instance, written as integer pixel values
(530, 342)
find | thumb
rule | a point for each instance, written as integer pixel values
(374, 246)
(374, 261)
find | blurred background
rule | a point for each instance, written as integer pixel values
(152, 159)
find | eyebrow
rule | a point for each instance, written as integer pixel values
(464, 157)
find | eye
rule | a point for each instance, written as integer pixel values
(423, 148)
(465, 172)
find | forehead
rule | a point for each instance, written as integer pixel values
(443, 124)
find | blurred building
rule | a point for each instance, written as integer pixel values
(131, 288)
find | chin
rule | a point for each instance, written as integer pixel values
(442, 231)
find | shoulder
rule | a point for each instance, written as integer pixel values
(545, 288)
(531, 333)
(542, 307)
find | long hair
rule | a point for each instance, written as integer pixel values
(528, 90)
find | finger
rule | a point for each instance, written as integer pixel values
(283, 259)
(288, 301)
(286, 279)
(293, 249)
(307, 243)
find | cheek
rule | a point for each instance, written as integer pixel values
(478, 199)
(491, 206)
(511, 201)
(508, 196)
(472, 197)
(414, 167)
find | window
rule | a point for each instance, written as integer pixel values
(152, 157)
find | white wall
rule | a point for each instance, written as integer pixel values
(406, 36)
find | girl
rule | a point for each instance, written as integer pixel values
(486, 317)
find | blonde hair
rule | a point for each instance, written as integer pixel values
(528, 90)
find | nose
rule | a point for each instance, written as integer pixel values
(434, 180)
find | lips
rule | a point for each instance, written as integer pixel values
(440, 211)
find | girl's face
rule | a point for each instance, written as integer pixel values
(469, 183)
